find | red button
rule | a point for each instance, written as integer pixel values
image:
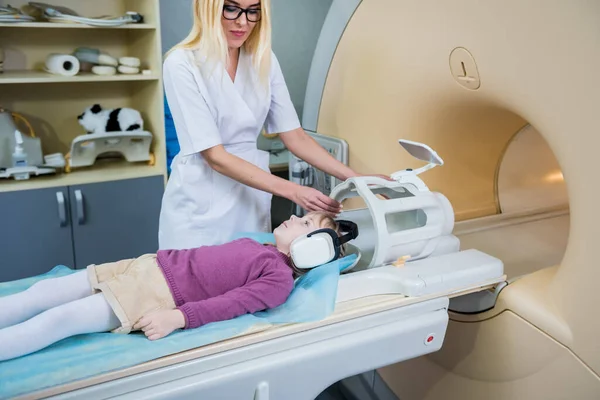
(429, 338)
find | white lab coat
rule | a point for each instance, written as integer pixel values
(201, 206)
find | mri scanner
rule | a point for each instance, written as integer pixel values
(508, 94)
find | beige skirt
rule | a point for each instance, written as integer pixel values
(133, 288)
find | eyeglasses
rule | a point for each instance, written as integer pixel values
(234, 12)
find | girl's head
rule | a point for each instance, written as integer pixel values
(223, 25)
(295, 227)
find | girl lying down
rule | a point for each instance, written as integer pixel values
(158, 293)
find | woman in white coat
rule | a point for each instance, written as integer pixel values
(223, 85)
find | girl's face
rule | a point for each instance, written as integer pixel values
(293, 228)
(239, 19)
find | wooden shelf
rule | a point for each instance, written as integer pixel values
(12, 77)
(56, 25)
(52, 109)
(100, 172)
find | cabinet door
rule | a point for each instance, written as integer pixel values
(35, 233)
(115, 220)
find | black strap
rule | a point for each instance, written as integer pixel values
(350, 228)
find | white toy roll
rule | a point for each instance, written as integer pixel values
(409, 222)
(62, 64)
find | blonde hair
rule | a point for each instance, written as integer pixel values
(322, 220)
(207, 36)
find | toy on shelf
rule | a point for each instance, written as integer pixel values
(118, 131)
(97, 120)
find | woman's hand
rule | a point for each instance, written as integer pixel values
(161, 323)
(313, 200)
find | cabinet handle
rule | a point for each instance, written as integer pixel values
(80, 210)
(62, 212)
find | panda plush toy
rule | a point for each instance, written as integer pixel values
(96, 120)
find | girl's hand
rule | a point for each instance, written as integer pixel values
(161, 323)
(313, 200)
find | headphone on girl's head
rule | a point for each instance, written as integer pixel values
(321, 246)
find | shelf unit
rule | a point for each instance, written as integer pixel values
(51, 103)
(56, 25)
(44, 77)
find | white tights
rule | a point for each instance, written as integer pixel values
(49, 311)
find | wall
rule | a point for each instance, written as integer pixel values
(176, 21)
(296, 28)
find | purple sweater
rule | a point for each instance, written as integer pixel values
(220, 282)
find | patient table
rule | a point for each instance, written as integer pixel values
(385, 311)
(291, 362)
